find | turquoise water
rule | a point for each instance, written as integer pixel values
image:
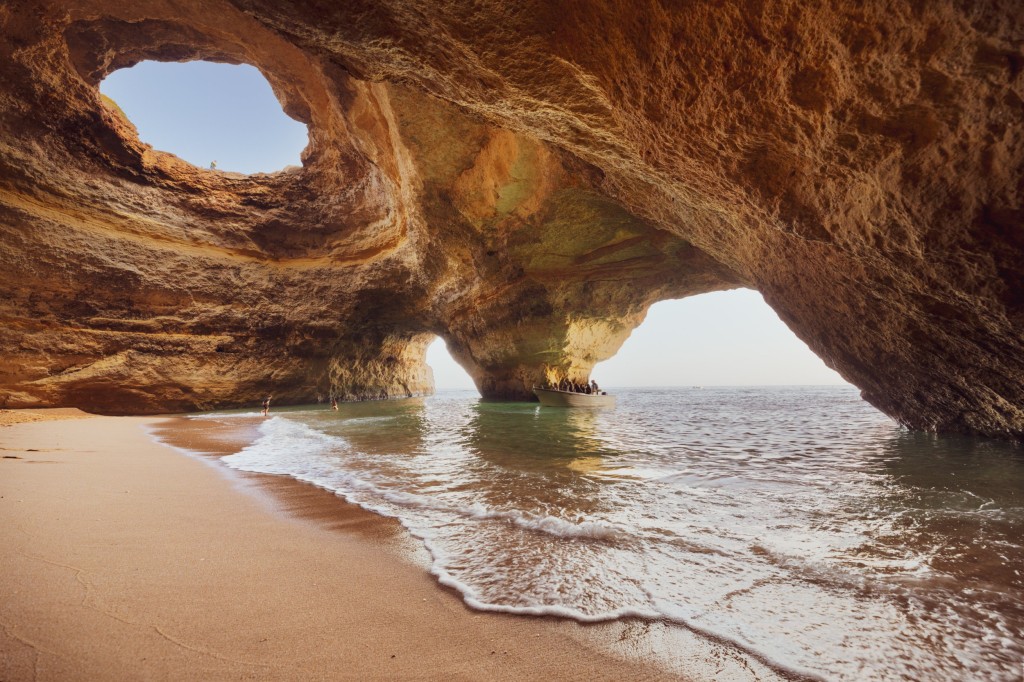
(799, 524)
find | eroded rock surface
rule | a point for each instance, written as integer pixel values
(523, 179)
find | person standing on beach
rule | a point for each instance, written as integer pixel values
(266, 405)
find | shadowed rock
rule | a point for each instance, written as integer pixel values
(525, 180)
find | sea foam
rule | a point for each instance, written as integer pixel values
(797, 540)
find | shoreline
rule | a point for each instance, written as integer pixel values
(209, 440)
(122, 557)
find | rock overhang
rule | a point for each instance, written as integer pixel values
(525, 198)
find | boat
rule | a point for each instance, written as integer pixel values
(555, 398)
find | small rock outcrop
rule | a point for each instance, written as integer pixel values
(524, 180)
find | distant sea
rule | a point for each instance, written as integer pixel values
(798, 524)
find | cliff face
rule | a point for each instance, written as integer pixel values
(523, 179)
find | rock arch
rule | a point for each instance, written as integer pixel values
(509, 180)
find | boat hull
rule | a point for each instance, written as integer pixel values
(567, 399)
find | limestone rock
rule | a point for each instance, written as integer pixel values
(523, 179)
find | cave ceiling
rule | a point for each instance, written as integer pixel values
(525, 180)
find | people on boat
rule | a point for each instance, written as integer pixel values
(567, 385)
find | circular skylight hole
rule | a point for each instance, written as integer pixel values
(218, 116)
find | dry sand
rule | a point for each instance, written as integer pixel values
(11, 417)
(125, 559)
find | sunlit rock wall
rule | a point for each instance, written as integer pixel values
(523, 179)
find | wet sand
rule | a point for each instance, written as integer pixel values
(123, 558)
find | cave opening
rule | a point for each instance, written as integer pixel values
(449, 375)
(722, 338)
(222, 117)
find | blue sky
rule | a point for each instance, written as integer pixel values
(203, 112)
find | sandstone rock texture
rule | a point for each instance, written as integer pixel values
(523, 179)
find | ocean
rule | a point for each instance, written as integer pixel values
(798, 524)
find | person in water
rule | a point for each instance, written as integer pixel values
(334, 404)
(266, 405)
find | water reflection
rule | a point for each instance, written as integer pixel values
(958, 501)
(979, 468)
(526, 456)
(800, 522)
(363, 424)
(525, 434)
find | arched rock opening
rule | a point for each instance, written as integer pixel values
(861, 167)
(222, 117)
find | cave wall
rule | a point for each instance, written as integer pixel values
(138, 283)
(523, 179)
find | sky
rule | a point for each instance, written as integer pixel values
(205, 112)
(725, 338)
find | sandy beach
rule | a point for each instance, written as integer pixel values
(123, 558)
(12, 417)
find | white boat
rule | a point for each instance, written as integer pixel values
(555, 398)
